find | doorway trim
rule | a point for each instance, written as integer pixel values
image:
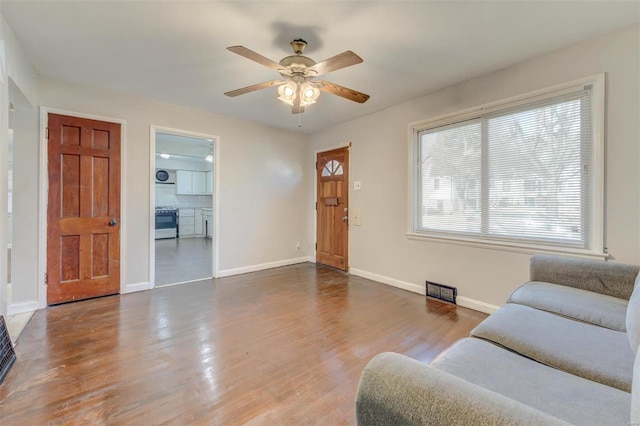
(4, 170)
(43, 189)
(315, 199)
(153, 130)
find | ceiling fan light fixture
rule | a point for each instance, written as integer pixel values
(309, 94)
(288, 92)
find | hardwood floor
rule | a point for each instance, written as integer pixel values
(282, 346)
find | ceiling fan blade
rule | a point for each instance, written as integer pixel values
(342, 60)
(345, 92)
(256, 57)
(254, 87)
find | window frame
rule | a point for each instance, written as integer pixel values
(596, 206)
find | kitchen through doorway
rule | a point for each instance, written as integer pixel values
(184, 193)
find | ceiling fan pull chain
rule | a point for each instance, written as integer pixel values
(299, 118)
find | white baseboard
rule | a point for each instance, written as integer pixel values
(477, 305)
(416, 288)
(131, 288)
(19, 308)
(261, 267)
(465, 302)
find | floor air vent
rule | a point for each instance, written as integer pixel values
(7, 354)
(442, 292)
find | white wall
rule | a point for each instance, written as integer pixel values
(18, 66)
(262, 181)
(379, 159)
(24, 274)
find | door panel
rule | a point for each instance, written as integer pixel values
(332, 175)
(83, 248)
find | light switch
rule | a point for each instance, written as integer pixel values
(356, 216)
(357, 185)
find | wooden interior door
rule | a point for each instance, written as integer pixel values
(83, 214)
(332, 208)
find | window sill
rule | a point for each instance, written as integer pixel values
(527, 248)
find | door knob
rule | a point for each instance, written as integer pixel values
(345, 218)
(113, 222)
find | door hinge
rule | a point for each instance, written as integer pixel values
(316, 206)
(316, 246)
(316, 165)
(46, 278)
(47, 133)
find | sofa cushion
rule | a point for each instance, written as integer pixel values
(595, 353)
(610, 278)
(633, 317)
(635, 393)
(582, 305)
(397, 390)
(563, 395)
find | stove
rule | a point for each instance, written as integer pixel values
(166, 222)
(164, 209)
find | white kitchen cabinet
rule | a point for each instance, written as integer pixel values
(209, 183)
(199, 183)
(191, 182)
(184, 182)
(186, 223)
(198, 223)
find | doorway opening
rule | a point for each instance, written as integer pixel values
(184, 166)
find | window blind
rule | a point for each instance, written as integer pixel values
(520, 173)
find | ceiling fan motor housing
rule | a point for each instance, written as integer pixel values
(298, 46)
(297, 64)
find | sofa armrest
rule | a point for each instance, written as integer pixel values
(397, 390)
(609, 278)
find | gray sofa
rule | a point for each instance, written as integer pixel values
(561, 351)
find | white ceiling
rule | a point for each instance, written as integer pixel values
(175, 51)
(187, 146)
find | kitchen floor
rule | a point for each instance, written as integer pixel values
(183, 259)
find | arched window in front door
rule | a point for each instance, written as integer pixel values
(332, 168)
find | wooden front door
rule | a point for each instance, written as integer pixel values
(83, 215)
(332, 208)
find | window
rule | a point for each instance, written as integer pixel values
(517, 173)
(332, 168)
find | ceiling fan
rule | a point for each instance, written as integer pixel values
(299, 88)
